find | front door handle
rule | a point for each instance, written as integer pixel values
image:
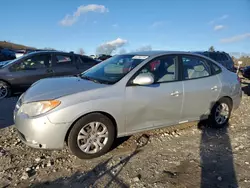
(215, 88)
(175, 93)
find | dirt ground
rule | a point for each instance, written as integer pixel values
(196, 156)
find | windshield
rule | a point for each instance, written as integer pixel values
(113, 69)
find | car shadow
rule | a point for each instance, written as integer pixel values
(216, 157)
(102, 174)
(7, 106)
(118, 142)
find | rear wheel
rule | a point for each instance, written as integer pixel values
(91, 136)
(4, 90)
(221, 113)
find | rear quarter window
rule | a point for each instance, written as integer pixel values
(215, 68)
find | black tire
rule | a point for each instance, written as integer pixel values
(94, 117)
(4, 84)
(212, 119)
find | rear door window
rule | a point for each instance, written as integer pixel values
(62, 60)
(195, 67)
(63, 64)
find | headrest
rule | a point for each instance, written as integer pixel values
(199, 68)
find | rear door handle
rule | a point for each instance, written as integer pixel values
(215, 88)
(175, 93)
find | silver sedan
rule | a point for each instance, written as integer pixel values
(124, 95)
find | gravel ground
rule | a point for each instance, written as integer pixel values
(197, 156)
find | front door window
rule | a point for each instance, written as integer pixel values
(162, 69)
(33, 63)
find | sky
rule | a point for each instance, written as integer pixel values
(127, 25)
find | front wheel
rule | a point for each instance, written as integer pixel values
(91, 136)
(221, 113)
(4, 90)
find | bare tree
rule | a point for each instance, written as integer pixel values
(81, 51)
(144, 48)
(211, 49)
(48, 48)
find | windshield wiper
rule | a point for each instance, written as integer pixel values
(95, 80)
(88, 78)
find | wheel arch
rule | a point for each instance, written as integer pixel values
(5, 82)
(213, 104)
(9, 86)
(227, 97)
(100, 112)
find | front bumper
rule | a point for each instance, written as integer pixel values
(40, 132)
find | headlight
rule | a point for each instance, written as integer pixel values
(18, 104)
(37, 108)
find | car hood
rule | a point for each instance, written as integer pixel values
(52, 88)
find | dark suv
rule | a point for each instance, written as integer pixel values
(246, 72)
(221, 57)
(6, 55)
(19, 74)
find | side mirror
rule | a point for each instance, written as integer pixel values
(143, 79)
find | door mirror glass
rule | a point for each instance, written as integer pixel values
(144, 79)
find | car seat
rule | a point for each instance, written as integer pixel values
(167, 70)
(198, 71)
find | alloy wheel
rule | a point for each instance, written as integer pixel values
(222, 113)
(3, 91)
(92, 137)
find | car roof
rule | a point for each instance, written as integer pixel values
(155, 53)
(51, 51)
(40, 52)
(147, 53)
(158, 52)
(208, 52)
(54, 51)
